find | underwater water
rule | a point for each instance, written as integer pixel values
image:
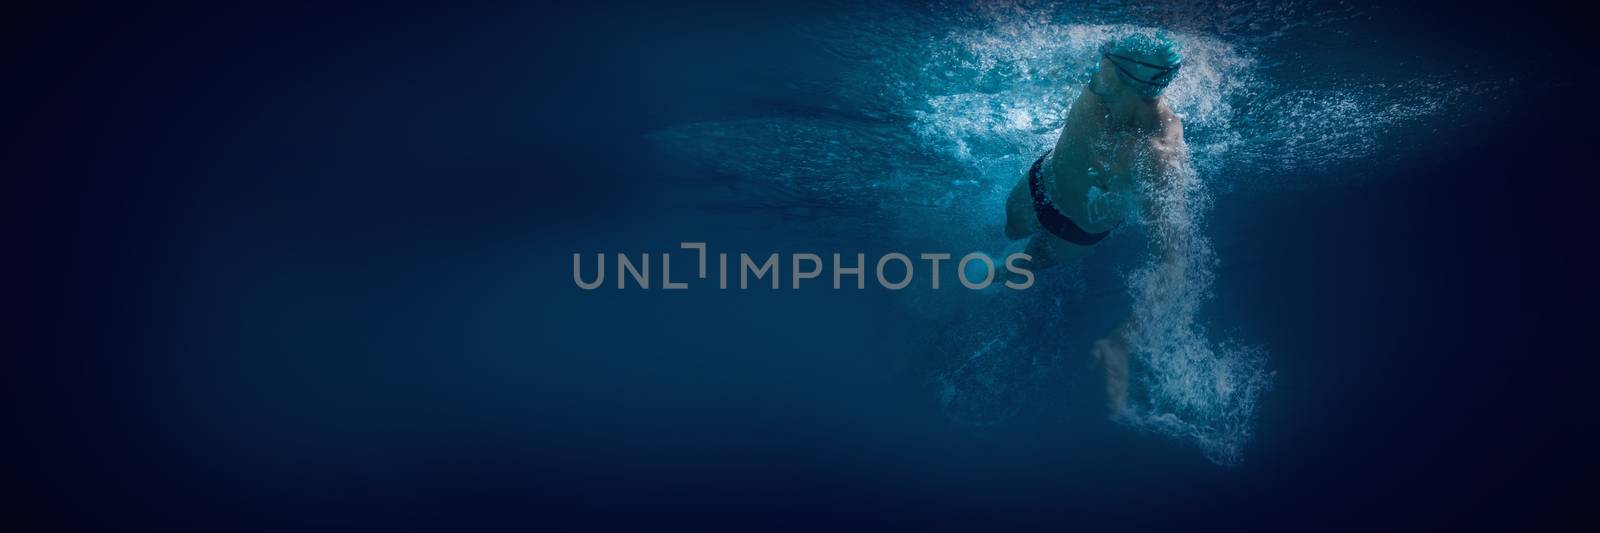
(310, 268)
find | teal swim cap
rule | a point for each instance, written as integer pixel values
(1145, 62)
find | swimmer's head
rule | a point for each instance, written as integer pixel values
(1144, 64)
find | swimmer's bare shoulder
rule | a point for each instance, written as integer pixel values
(1085, 123)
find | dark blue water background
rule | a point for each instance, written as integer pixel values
(308, 268)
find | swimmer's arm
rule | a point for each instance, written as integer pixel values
(1170, 172)
(1080, 119)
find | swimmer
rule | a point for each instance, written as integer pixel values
(1120, 146)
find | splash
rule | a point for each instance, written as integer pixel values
(1259, 113)
(1186, 385)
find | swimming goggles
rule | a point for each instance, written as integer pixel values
(1146, 73)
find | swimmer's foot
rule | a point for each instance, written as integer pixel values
(1112, 352)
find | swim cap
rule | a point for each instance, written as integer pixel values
(1147, 63)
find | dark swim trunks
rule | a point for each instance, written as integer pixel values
(1051, 218)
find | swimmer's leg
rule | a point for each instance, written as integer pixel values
(1113, 353)
(1043, 254)
(1019, 211)
(1003, 274)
